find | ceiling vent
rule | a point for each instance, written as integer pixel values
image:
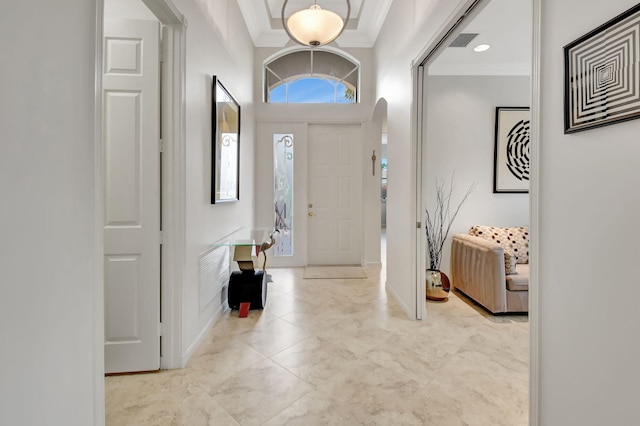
(463, 40)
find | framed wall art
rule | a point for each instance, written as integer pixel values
(601, 74)
(511, 150)
(225, 145)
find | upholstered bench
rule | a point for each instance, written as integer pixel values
(491, 265)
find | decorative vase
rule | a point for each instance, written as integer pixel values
(434, 286)
(446, 284)
(433, 278)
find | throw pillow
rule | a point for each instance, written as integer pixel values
(515, 239)
(509, 263)
(519, 243)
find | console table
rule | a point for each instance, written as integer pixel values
(247, 288)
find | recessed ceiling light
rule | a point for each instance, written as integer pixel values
(481, 48)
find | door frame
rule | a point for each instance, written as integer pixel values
(173, 192)
(173, 83)
(264, 205)
(467, 9)
(419, 154)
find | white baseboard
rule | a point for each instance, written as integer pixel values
(186, 356)
(411, 313)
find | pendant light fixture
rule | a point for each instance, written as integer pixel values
(314, 26)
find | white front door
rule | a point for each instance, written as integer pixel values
(131, 195)
(334, 196)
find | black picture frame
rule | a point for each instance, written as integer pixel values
(225, 145)
(601, 72)
(511, 160)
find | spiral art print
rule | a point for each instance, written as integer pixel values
(512, 150)
(518, 150)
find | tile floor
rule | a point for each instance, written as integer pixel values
(340, 352)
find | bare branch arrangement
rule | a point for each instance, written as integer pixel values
(439, 222)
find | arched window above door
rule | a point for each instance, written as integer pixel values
(311, 76)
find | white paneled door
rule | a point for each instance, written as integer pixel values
(334, 214)
(131, 195)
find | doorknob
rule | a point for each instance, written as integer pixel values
(310, 206)
(311, 214)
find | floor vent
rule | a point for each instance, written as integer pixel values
(463, 40)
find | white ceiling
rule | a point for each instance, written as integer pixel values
(263, 18)
(504, 24)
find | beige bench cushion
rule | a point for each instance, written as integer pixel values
(520, 280)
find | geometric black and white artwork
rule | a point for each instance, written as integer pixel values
(602, 74)
(511, 150)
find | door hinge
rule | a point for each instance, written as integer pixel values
(161, 53)
(161, 145)
(161, 329)
(161, 237)
(418, 225)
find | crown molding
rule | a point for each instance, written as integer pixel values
(361, 32)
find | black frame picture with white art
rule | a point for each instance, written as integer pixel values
(602, 74)
(511, 150)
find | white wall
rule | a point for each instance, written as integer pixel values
(589, 203)
(48, 291)
(460, 117)
(296, 117)
(127, 9)
(409, 27)
(218, 43)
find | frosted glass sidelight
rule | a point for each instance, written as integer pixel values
(283, 193)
